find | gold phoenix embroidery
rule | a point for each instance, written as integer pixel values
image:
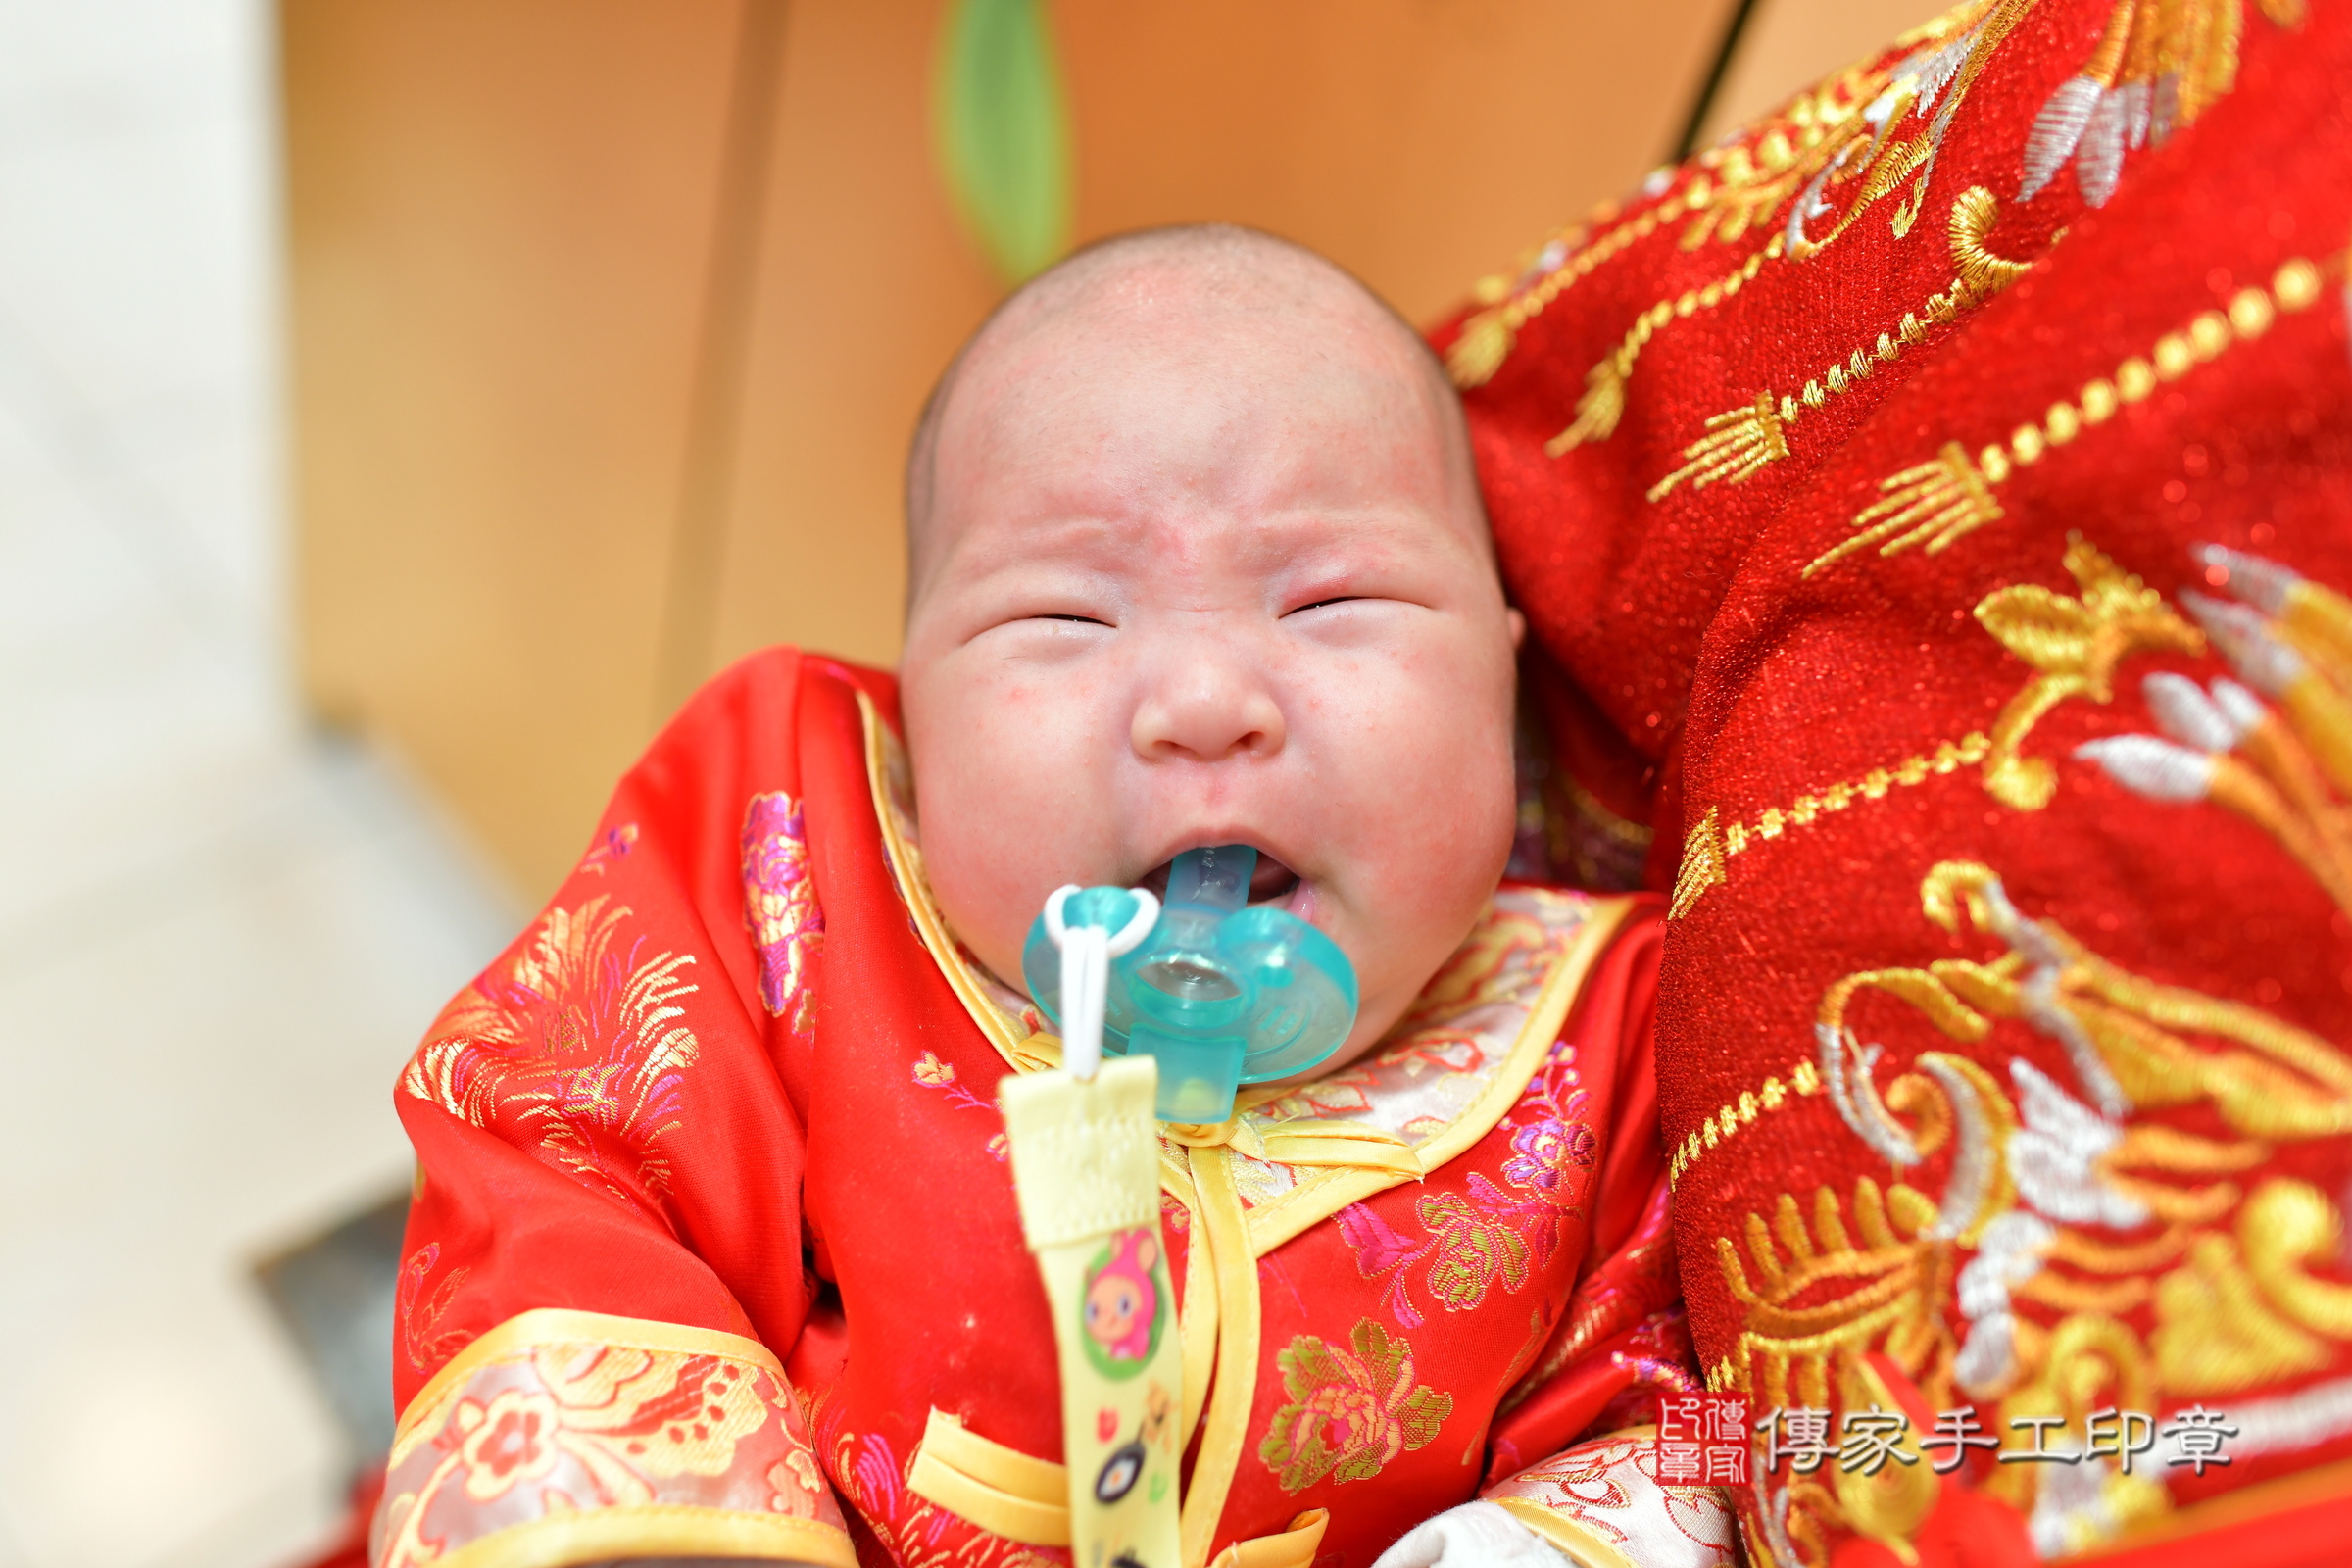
(2075, 644)
(1757, 172)
(2284, 768)
(1938, 503)
(1738, 442)
(1785, 1352)
(2271, 1081)
(2086, 1207)
(2158, 65)
(1949, 74)
(2229, 1274)
(1845, 132)
(1809, 145)
(1709, 846)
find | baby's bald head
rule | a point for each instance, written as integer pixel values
(1194, 293)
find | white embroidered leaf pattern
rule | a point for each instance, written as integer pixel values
(2056, 129)
(2137, 110)
(2099, 161)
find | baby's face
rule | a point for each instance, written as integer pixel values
(1198, 575)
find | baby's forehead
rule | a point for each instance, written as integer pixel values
(1117, 346)
(1130, 359)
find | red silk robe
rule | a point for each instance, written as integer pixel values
(714, 1249)
(1861, 477)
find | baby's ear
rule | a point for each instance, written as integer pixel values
(1518, 624)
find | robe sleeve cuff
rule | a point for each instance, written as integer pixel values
(562, 1437)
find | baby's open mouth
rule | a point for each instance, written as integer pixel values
(1270, 883)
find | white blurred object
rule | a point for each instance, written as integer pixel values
(220, 932)
(1476, 1534)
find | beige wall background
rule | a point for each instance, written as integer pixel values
(610, 317)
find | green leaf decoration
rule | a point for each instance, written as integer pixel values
(1003, 129)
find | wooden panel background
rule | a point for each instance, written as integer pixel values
(500, 216)
(610, 316)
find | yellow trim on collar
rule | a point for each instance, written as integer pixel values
(1324, 1193)
(1024, 1053)
(1225, 1429)
(1309, 1142)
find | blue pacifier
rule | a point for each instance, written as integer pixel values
(1223, 995)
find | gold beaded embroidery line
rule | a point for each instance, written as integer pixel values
(1942, 502)
(1873, 785)
(1701, 868)
(1803, 1079)
(1738, 442)
(1603, 403)
(1488, 338)
(1708, 848)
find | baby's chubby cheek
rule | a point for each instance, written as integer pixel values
(1011, 800)
(1414, 801)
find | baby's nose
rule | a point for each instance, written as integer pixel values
(1207, 711)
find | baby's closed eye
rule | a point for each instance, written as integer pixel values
(1353, 621)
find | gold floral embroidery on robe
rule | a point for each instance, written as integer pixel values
(574, 1047)
(1352, 1410)
(417, 1312)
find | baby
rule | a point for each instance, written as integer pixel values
(1196, 555)
(715, 1250)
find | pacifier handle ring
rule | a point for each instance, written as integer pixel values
(1086, 955)
(1123, 940)
(1054, 902)
(1139, 926)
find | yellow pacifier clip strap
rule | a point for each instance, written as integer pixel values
(1086, 1169)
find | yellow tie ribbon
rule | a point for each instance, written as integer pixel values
(1306, 1141)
